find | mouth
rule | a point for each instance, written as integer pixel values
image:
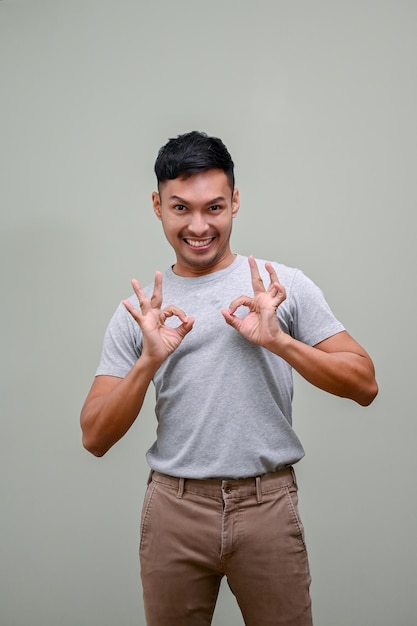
(199, 244)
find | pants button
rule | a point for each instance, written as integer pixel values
(228, 489)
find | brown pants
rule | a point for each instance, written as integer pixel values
(194, 532)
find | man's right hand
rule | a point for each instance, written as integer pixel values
(113, 403)
(159, 341)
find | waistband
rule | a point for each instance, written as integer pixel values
(218, 488)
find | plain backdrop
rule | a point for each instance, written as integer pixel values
(317, 102)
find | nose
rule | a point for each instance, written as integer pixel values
(198, 224)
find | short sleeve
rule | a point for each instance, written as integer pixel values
(121, 346)
(311, 318)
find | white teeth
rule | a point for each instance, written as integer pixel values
(198, 244)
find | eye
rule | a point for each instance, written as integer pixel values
(179, 207)
(214, 207)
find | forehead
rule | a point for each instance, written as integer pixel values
(204, 185)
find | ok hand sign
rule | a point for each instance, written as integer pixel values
(260, 325)
(159, 341)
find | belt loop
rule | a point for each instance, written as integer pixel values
(258, 489)
(294, 477)
(150, 477)
(180, 488)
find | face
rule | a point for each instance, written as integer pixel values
(196, 215)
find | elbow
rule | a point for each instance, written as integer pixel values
(91, 440)
(96, 448)
(368, 395)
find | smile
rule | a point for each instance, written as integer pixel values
(199, 243)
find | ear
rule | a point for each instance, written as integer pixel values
(156, 202)
(235, 202)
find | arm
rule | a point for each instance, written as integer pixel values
(112, 406)
(338, 364)
(112, 403)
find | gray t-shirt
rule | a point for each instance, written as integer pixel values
(223, 404)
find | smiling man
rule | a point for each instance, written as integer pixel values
(196, 214)
(218, 335)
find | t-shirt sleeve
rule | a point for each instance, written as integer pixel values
(121, 345)
(311, 318)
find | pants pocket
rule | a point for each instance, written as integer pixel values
(292, 501)
(146, 507)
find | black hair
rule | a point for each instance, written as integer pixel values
(191, 153)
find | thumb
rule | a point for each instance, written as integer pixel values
(231, 319)
(186, 326)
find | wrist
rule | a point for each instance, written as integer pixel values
(281, 344)
(147, 365)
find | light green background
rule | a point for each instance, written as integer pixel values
(317, 102)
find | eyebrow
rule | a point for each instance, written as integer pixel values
(210, 202)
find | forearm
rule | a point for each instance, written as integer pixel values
(107, 416)
(343, 373)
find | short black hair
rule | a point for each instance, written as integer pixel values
(191, 153)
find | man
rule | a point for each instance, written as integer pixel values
(218, 335)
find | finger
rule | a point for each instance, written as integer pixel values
(144, 302)
(278, 292)
(257, 282)
(187, 323)
(231, 319)
(131, 309)
(186, 326)
(241, 301)
(272, 274)
(173, 311)
(156, 298)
